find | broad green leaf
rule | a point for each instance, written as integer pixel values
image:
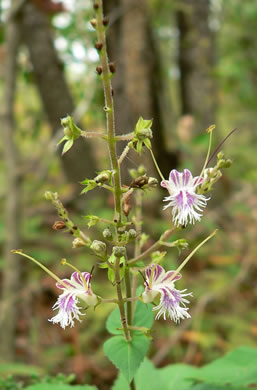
(178, 376)
(121, 383)
(148, 377)
(238, 367)
(113, 322)
(54, 386)
(143, 315)
(127, 356)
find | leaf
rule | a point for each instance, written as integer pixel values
(238, 368)
(147, 377)
(143, 317)
(178, 376)
(67, 146)
(54, 386)
(127, 356)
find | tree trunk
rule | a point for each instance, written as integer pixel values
(79, 162)
(11, 272)
(196, 61)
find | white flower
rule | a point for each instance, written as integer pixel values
(78, 286)
(172, 301)
(186, 204)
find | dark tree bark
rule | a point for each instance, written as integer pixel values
(53, 89)
(137, 83)
(196, 61)
(12, 267)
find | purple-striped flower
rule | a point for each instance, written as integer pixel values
(186, 204)
(75, 288)
(172, 301)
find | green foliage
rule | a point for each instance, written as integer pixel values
(235, 371)
(19, 369)
(127, 355)
(49, 386)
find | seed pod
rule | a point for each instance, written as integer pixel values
(59, 225)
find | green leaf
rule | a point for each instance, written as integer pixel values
(127, 356)
(147, 377)
(111, 276)
(54, 386)
(143, 315)
(67, 146)
(178, 376)
(139, 147)
(238, 368)
(113, 322)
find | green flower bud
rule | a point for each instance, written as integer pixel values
(141, 170)
(67, 131)
(49, 195)
(119, 251)
(103, 177)
(220, 155)
(98, 247)
(107, 234)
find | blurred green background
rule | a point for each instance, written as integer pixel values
(185, 64)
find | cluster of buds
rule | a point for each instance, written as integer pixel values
(212, 175)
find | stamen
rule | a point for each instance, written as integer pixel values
(151, 276)
(191, 254)
(156, 165)
(19, 252)
(64, 262)
(220, 145)
(209, 130)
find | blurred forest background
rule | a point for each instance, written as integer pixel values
(185, 63)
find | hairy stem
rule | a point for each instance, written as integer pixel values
(109, 109)
(121, 302)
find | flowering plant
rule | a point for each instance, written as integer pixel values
(131, 322)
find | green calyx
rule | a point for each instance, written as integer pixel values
(142, 135)
(71, 131)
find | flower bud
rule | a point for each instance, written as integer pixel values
(99, 46)
(132, 234)
(59, 225)
(152, 182)
(119, 251)
(98, 247)
(49, 195)
(141, 170)
(93, 22)
(144, 133)
(99, 70)
(220, 155)
(77, 243)
(107, 234)
(103, 177)
(67, 131)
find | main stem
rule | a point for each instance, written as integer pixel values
(109, 108)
